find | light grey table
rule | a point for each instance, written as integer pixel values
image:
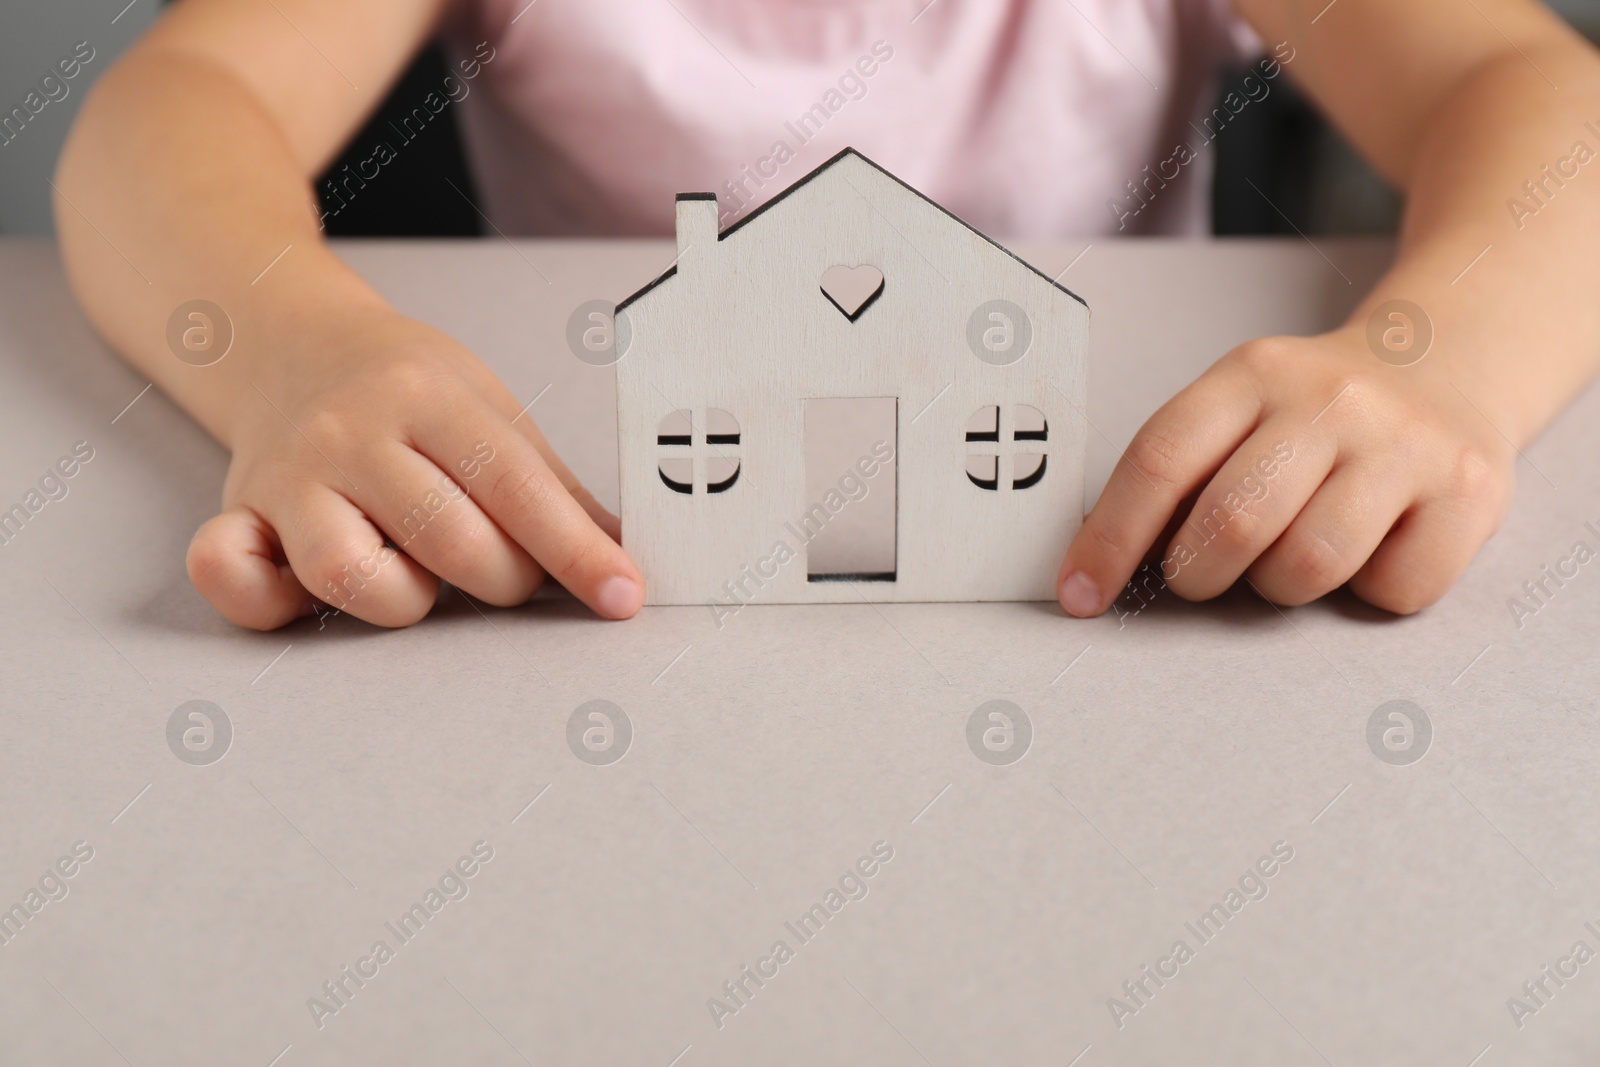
(1168, 756)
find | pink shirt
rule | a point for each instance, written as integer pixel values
(1027, 118)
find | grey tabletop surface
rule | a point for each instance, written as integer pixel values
(184, 890)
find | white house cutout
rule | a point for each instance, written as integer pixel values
(849, 290)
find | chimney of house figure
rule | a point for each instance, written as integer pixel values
(697, 222)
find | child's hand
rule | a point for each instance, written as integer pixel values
(381, 428)
(1320, 465)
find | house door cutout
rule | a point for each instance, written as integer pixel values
(848, 522)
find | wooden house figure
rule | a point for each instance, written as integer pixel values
(848, 293)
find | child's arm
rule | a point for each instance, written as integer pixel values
(187, 174)
(1397, 474)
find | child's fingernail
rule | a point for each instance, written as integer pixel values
(1079, 595)
(619, 597)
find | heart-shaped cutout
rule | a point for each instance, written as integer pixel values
(852, 289)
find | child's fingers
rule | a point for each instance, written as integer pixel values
(503, 399)
(1171, 456)
(603, 518)
(1250, 502)
(426, 513)
(237, 564)
(1334, 534)
(592, 507)
(1423, 555)
(340, 556)
(529, 501)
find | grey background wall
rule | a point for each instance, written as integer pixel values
(1288, 150)
(34, 34)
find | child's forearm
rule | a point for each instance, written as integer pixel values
(176, 185)
(1461, 105)
(1501, 242)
